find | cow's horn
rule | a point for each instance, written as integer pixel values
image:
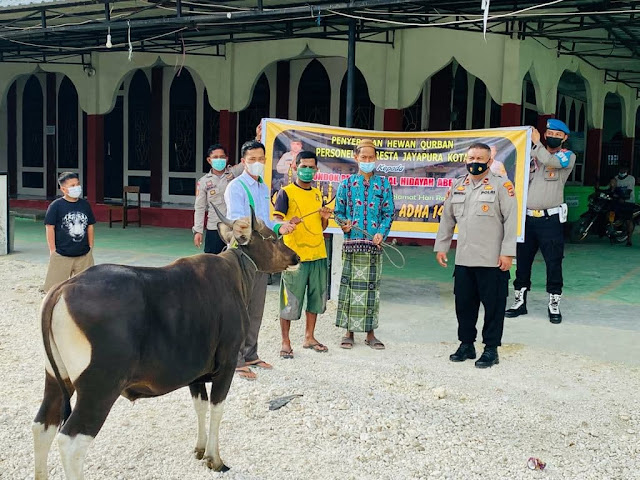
(222, 218)
(254, 222)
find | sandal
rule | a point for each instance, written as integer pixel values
(346, 343)
(316, 347)
(286, 354)
(259, 364)
(375, 344)
(246, 373)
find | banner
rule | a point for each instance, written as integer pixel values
(421, 166)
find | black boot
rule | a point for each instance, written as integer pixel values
(519, 306)
(465, 351)
(489, 358)
(554, 308)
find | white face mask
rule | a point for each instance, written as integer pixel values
(256, 169)
(75, 192)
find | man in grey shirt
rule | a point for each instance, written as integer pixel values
(549, 170)
(624, 185)
(484, 207)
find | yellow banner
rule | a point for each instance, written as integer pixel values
(420, 166)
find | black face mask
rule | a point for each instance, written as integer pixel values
(476, 168)
(554, 142)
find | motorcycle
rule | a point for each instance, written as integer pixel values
(600, 220)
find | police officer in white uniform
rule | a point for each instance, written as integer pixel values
(549, 170)
(483, 205)
(210, 191)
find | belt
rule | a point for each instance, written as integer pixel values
(544, 213)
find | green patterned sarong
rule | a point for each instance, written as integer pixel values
(359, 298)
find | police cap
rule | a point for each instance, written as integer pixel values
(555, 124)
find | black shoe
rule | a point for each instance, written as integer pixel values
(465, 351)
(489, 358)
(554, 308)
(519, 306)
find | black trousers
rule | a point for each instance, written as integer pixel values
(473, 285)
(212, 242)
(545, 234)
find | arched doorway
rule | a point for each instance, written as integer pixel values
(258, 109)
(611, 139)
(211, 130)
(363, 109)
(138, 172)
(32, 172)
(459, 97)
(572, 97)
(182, 135)
(314, 94)
(412, 116)
(529, 102)
(68, 119)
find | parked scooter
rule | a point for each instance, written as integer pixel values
(599, 218)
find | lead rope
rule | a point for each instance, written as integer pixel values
(386, 245)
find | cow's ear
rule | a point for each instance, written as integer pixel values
(242, 231)
(225, 232)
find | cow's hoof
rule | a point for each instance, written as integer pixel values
(217, 468)
(199, 453)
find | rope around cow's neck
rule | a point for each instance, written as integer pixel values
(342, 222)
(236, 247)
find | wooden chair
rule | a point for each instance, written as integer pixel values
(126, 206)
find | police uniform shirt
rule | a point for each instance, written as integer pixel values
(547, 176)
(486, 214)
(210, 190)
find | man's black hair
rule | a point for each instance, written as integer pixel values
(216, 146)
(306, 154)
(480, 145)
(250, 145)
(64, 176)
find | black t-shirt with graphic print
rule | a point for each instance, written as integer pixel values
(71, 220)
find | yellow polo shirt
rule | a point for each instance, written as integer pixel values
(307, 240)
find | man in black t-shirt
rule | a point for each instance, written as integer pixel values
(69, 226)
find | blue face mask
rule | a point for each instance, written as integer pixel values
(219, 164)
(367, 167)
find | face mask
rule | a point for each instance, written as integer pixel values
(554, 142)
(367, 167)
(622, 176)
(218, 164)
(476, 168)
(256, 169)
(75, 192)
(306, 174)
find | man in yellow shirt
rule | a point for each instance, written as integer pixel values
(301, 203)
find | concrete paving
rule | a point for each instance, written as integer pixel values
(600, 303)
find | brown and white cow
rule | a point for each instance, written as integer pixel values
(143, 332)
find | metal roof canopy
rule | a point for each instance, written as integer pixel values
(605, 34)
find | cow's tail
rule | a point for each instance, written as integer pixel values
(48, 304)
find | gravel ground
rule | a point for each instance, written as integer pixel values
(403, 413)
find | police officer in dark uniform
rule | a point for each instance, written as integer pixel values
(550, 168)
(483, 205)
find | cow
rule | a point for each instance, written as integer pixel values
(142, 332)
